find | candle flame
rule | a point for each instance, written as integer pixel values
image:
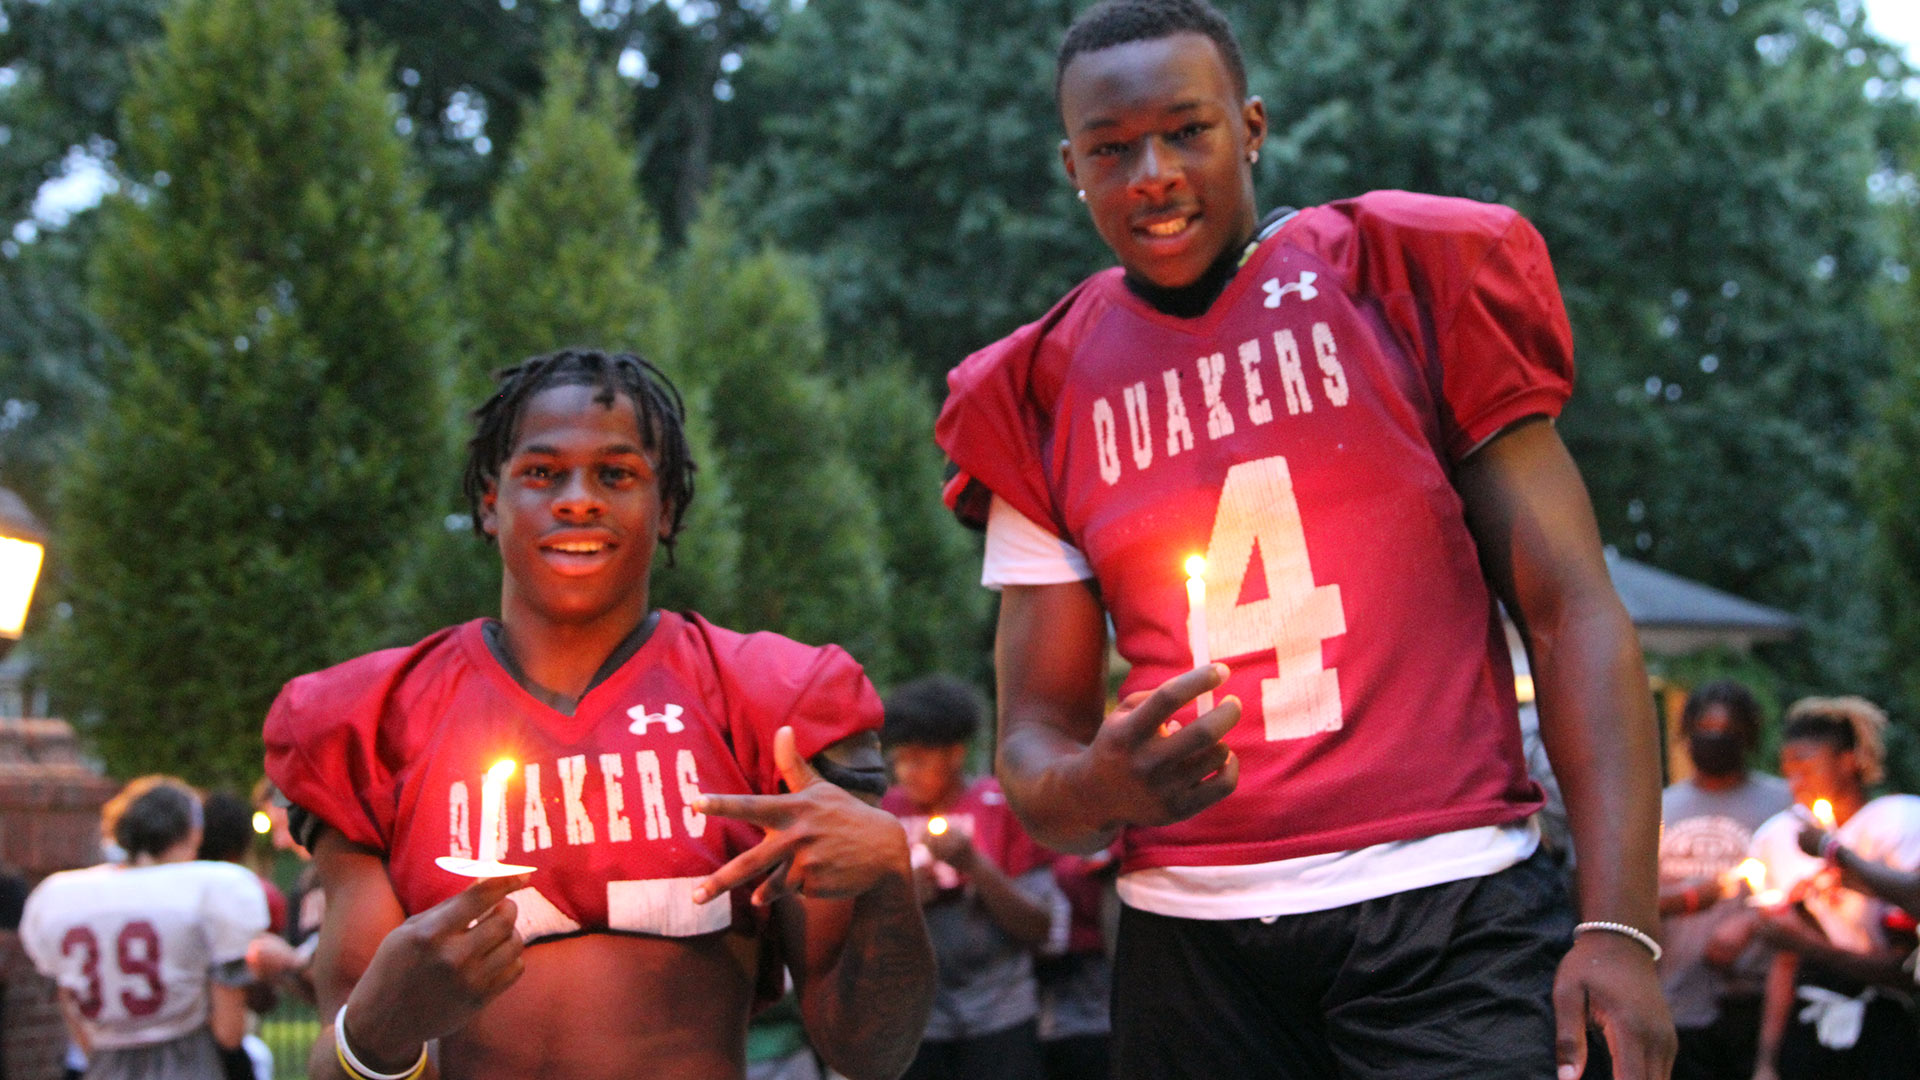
(262, 824)
(502, 769)
(1755, 872)
(937, 826)
(1196, 566)
(1823, 813)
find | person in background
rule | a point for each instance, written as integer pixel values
(1076, 974)
(986, 888)
(1828, 1011)
(1708, 824)
(227, 837)
(150, 953)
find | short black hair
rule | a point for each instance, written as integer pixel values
(657, 405)
(228, 831)
(1118, 22)
(934, 710)
(151, 814)
(1741, 706)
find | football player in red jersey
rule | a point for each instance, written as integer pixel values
(1347, 410)
(673, 883)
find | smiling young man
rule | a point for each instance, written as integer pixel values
(651, 750)
(1347, 410)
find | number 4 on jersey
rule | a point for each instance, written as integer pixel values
(1258, 511)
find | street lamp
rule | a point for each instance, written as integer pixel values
(23, 547)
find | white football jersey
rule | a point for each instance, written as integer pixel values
(136, 945)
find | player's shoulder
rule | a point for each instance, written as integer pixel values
(343, 691)
(1391, 214)
(761, 664)
(1402, 226)
(1902, 811)
(1018, 353)
(1783, 827)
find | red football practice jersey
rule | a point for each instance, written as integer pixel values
(1301, 435)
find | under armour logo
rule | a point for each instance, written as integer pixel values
(1276, 291)
(669, 715)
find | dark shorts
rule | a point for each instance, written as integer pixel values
(1010, 1054)
(1452, 980)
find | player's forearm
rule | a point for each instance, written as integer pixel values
(1865, 875)
(1040, 770)
(227, 1014)
(1597, 720)
(1776, 1005)
(1018, 915)
(867, 1014)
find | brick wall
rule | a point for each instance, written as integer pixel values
(50, 799)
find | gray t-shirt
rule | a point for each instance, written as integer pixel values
(985, 978)
(1702, 834)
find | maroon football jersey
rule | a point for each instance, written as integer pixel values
(1301, 435)
(390, 749)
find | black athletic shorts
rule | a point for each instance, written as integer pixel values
(1453, 980)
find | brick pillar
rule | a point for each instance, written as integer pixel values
(50, 799)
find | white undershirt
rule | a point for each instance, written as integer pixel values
(1021, 552)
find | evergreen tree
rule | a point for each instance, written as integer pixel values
(1891, 454)
(237, 512)
(933, 567)
(745, 333)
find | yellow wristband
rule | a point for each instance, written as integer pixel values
(352, 1064)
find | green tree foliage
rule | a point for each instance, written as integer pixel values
(744, 333)
(1891, 453)
(907, 147)
(235, 513)
(933, 567)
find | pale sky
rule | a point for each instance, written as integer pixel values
(1898, 21)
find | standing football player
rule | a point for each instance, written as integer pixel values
(1348, 411)
(673, 884)
(150, 953)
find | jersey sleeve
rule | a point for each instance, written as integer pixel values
(996, 424)
(35, 934)
(233, 911)
(323, 751)
(774, 682)
(1469, 288)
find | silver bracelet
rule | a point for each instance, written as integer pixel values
(353, 1064)
(1623, 929)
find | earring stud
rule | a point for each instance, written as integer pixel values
(1081, 194)
(1253, 157)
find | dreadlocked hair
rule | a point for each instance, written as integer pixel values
(1843, 723)
(1120, 22)
(657, 405)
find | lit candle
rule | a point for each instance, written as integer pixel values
(936, 826)
(1823, 813)
(1755, 874)
(493, 802)
(1197, 623)
(262, 824)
